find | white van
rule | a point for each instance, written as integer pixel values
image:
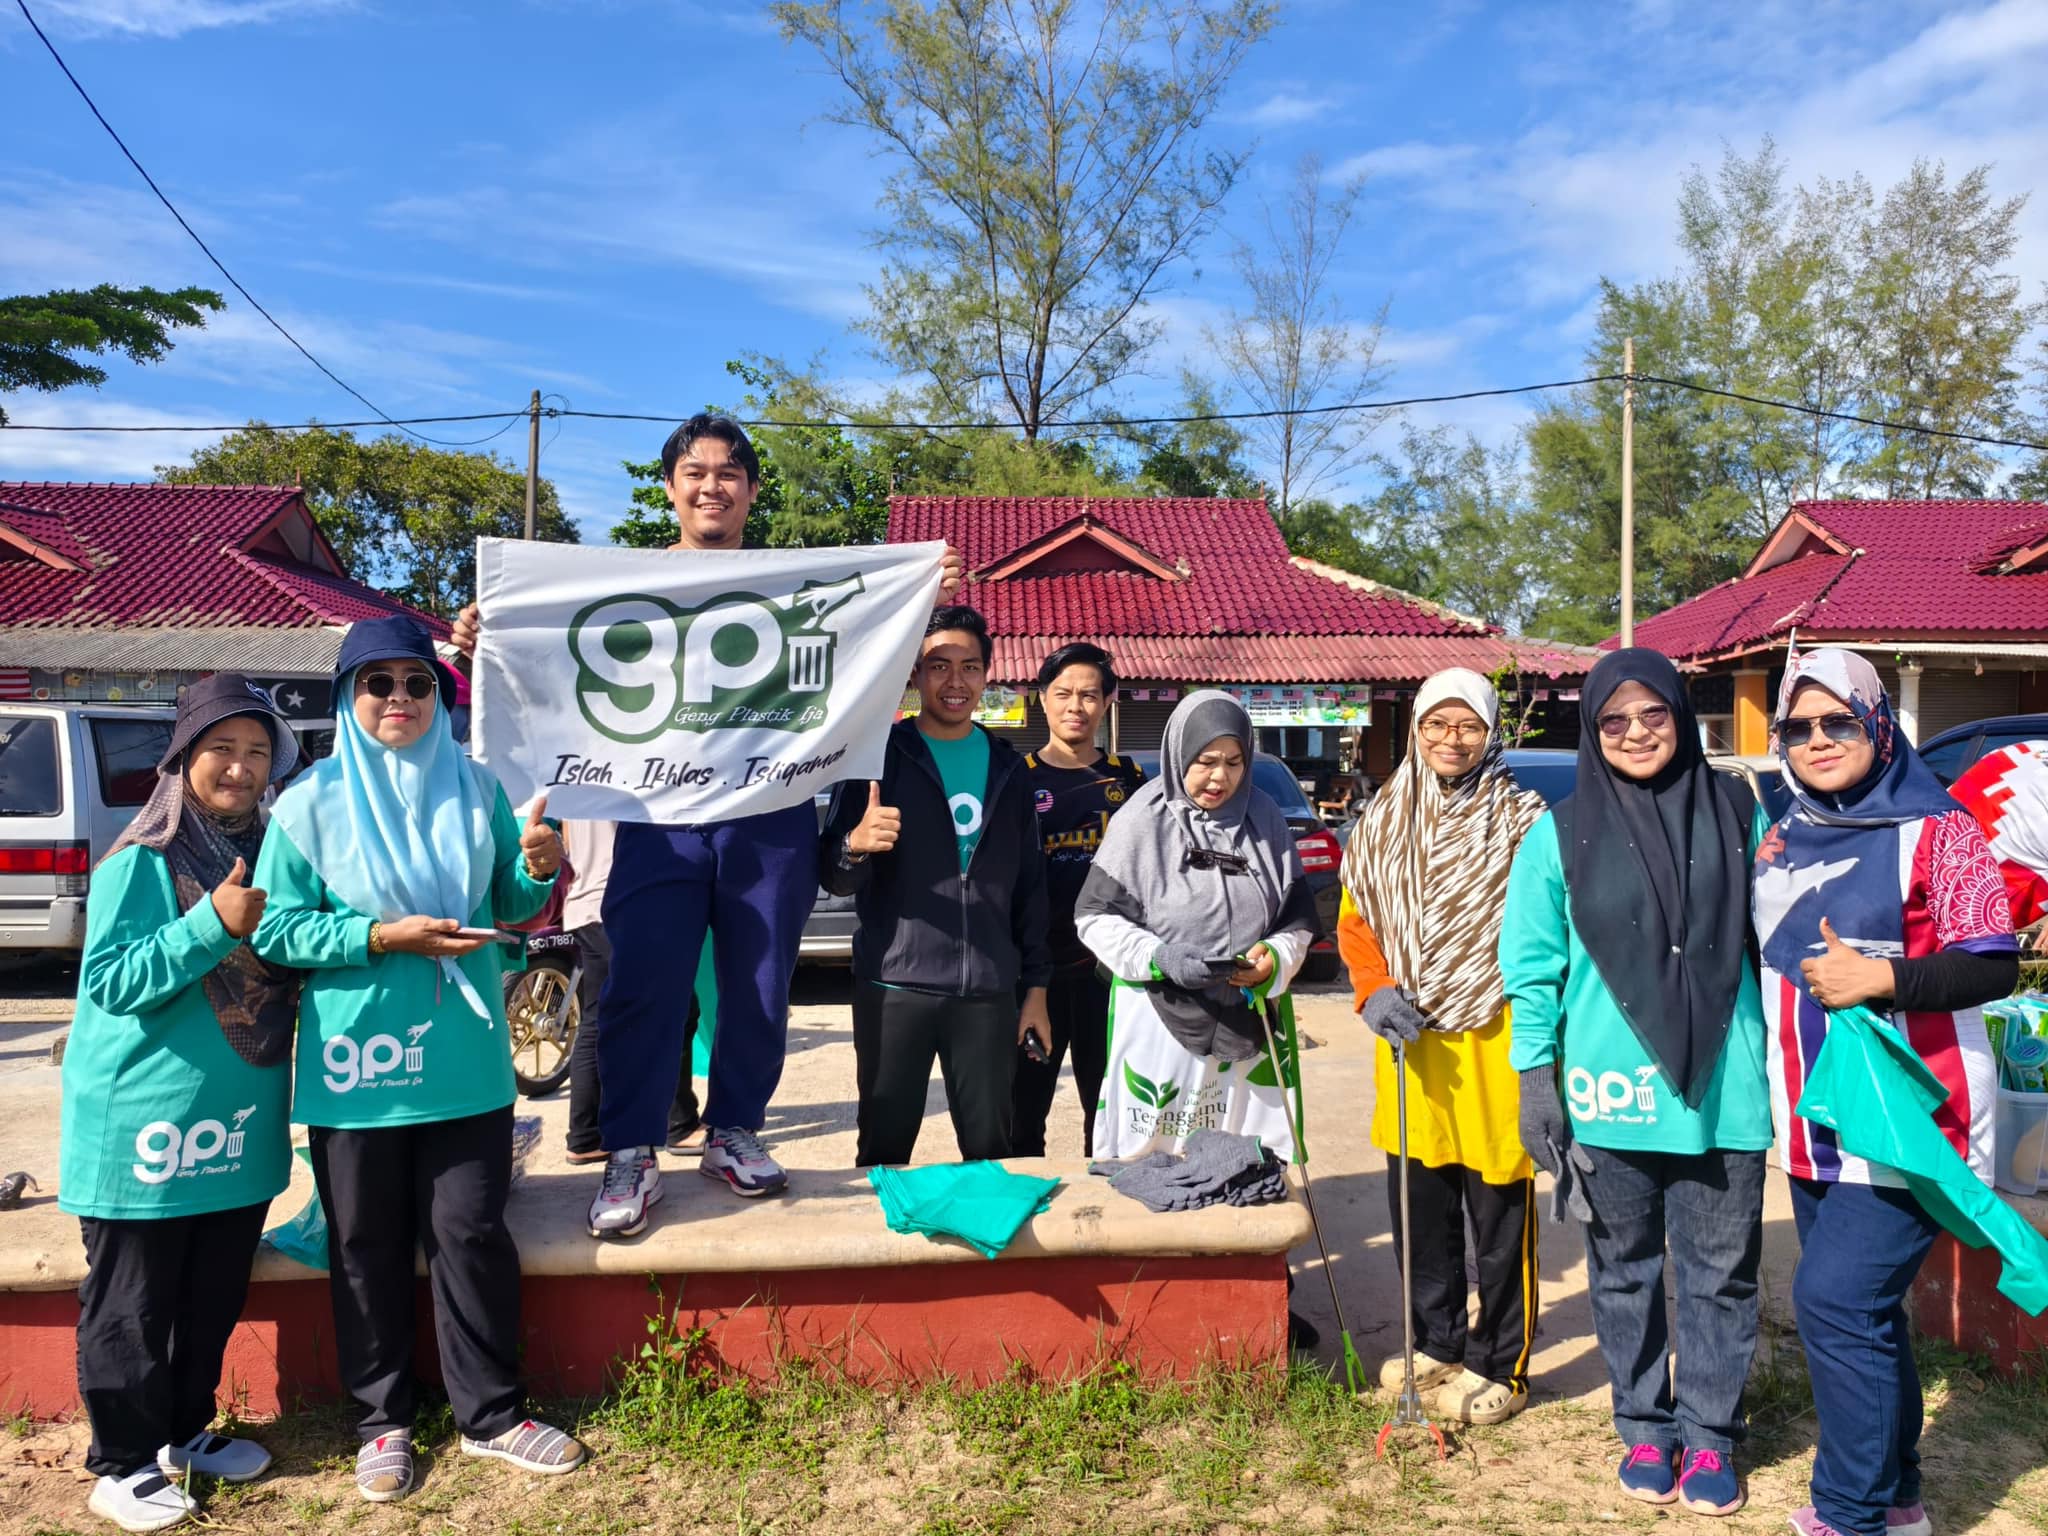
(72, 777)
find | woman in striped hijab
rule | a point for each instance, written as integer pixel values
(1425, 882)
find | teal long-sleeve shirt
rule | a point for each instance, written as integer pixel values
(388, 1039)
(160, 1116)
(1616, 1094)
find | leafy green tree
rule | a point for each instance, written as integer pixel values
(1896, 309)
(1050, 176)
(402, 515)
(45, 338)
(1452, 522)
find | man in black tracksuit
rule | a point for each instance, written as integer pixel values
(942, 858)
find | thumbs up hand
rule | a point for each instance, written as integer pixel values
(1840, 977)
(541, 843)
(237, 904)
(878, 829)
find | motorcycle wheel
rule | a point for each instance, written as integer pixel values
(532, 998)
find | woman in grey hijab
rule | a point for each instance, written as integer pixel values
(1197, 907)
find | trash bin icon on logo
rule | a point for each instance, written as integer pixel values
(810, 663)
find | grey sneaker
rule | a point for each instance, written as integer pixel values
(739, 1158)
(144, 1500)
(631, 1188)
(218, 1456)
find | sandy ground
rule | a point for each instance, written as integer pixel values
(1556, 1459)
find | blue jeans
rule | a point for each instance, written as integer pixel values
(1709, 1207)
(1859, 1248)
(751, 882)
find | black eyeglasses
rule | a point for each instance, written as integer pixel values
(1840, 727)
(1209, 858)
(1653, 718)
(383, 684)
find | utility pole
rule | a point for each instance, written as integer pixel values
(533, 465)
(1628, 491)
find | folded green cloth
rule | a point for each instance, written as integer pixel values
(980, 1203)
(1872, 1089)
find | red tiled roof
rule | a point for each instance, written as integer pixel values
(1285, 659)
(169, 555)
(1239, 581)
(1918, 574)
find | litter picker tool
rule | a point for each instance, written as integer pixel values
(1408, 1412)
(1354, 1368)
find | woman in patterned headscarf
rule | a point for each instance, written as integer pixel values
(1425, 882)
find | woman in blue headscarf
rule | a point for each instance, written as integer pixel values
(378, 858)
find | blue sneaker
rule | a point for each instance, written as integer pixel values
(1646, 1474)
(1708, 1485)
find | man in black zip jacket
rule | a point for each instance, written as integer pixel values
(942, 858)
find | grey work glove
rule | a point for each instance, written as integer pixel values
(1545, 1135)
(1392, 1015)
(1568, 1192)
(1186, 966)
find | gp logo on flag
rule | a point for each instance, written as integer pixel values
(646, 666)
(686, 686)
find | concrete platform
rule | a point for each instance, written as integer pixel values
(814, 1273)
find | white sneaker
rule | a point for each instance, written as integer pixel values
(739, 1158)
(631, 1188)
(144, 1500)
(218, 1456)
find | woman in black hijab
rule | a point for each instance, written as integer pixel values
(1626, 957)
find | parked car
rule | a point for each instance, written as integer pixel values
(1952, 753)
(828, 931)
(1547, 770)
(1321, 853)
(1765, 777)
(72, 777)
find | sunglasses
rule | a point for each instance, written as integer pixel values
(383, 684)
(1653, 718)
(1841, 727)
(1209, 858)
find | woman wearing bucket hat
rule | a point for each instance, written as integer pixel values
(175, 1136)
(1876, 887)
(377, 857)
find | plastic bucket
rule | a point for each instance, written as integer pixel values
(2022, 1141)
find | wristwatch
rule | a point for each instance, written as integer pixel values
(846, 851)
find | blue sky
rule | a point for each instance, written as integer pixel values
(453, 204)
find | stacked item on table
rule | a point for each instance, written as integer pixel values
(1217, 1169)
(2018, 1028)
(982, 1204)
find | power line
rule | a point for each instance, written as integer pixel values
(234, 282)
(851, 425)
(1864, 421)
(262, 426)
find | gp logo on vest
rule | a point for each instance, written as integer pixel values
(168, 1151)
(371, 1063)
(645, 666)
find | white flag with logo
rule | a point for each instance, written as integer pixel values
(688, 686)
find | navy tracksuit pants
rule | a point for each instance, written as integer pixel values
(751, 883)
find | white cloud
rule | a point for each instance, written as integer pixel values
(172, 18)
(72, 455)
(1285, 109)
(1410, 160)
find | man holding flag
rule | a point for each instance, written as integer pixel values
(751, 879)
